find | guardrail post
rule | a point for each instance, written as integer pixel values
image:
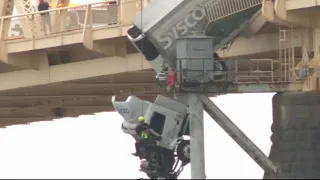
(1, 28)
(55, 21)
(58, 19)
(119, 12)
(62, 19)
(87, 29)
(33, 28)
(3, 45)
(61, 25)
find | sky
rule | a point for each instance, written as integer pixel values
(94, 146)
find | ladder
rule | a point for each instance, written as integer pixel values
(286, 62)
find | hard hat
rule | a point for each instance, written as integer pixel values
(141, 118)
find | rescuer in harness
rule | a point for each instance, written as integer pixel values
(145, 135)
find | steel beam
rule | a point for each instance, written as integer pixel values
(39, 106)
(93, 94)
(107, 85)
(6, 7)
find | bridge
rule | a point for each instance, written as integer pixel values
(86, 58)
(73, 70)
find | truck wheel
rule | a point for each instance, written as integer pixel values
(183, 151)
(221, 67)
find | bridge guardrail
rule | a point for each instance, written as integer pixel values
(238, 71)
(66, 19)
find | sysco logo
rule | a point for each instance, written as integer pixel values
(122, 110)
(182, 27)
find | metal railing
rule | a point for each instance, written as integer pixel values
(63, 20)
(218, 9)
(238, 71)
(254, 71)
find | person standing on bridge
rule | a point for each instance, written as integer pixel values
(44, 6)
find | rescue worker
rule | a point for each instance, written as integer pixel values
(142, 127)
(143, 130)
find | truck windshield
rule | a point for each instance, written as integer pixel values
(144, 45)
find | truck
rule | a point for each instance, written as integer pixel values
(159, 32)
(166, 118)
(155, 35)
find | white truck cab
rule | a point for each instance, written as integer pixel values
(167, 118)
(130, 110)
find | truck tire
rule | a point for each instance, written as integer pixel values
(183, 151)
(296, 136)
(219, 66)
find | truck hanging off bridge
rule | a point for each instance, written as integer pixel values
(180, 42)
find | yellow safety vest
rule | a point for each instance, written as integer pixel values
(144, 135)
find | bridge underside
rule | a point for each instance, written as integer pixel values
(72, 80)
(74, 98)
(62, 76)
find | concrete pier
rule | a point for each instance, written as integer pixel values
(197, 154)
(296, 135)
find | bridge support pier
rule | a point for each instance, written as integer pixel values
(197, 155)
(296, 135)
